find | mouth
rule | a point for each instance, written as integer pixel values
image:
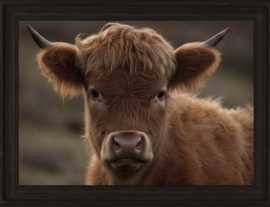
(126, 166)
(127, 161)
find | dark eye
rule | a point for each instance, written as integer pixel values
(95, 93)
(160, 94)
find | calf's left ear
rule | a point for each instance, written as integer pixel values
(195, 62)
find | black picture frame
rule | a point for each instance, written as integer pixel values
(12, 194)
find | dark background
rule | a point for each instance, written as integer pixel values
(51, 151)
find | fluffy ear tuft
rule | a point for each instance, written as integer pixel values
(195, 62)
(58, 63)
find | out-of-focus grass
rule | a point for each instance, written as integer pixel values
(225, 84)
(50, 156)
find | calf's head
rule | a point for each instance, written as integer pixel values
(126, 75)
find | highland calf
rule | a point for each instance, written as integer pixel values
(142, 128)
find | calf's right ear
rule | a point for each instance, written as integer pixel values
(57, 61)
(195, 62)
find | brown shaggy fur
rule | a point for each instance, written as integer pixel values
(194, 141)
(123, 46)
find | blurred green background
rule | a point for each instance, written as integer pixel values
(51, 151)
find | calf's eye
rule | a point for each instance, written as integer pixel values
(95, 93)
(160, 94)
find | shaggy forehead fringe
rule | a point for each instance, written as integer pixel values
(123, 46)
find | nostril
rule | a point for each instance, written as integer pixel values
(138, 147)
(116, 145)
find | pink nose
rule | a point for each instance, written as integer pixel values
(127, 145)
(133, 145)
